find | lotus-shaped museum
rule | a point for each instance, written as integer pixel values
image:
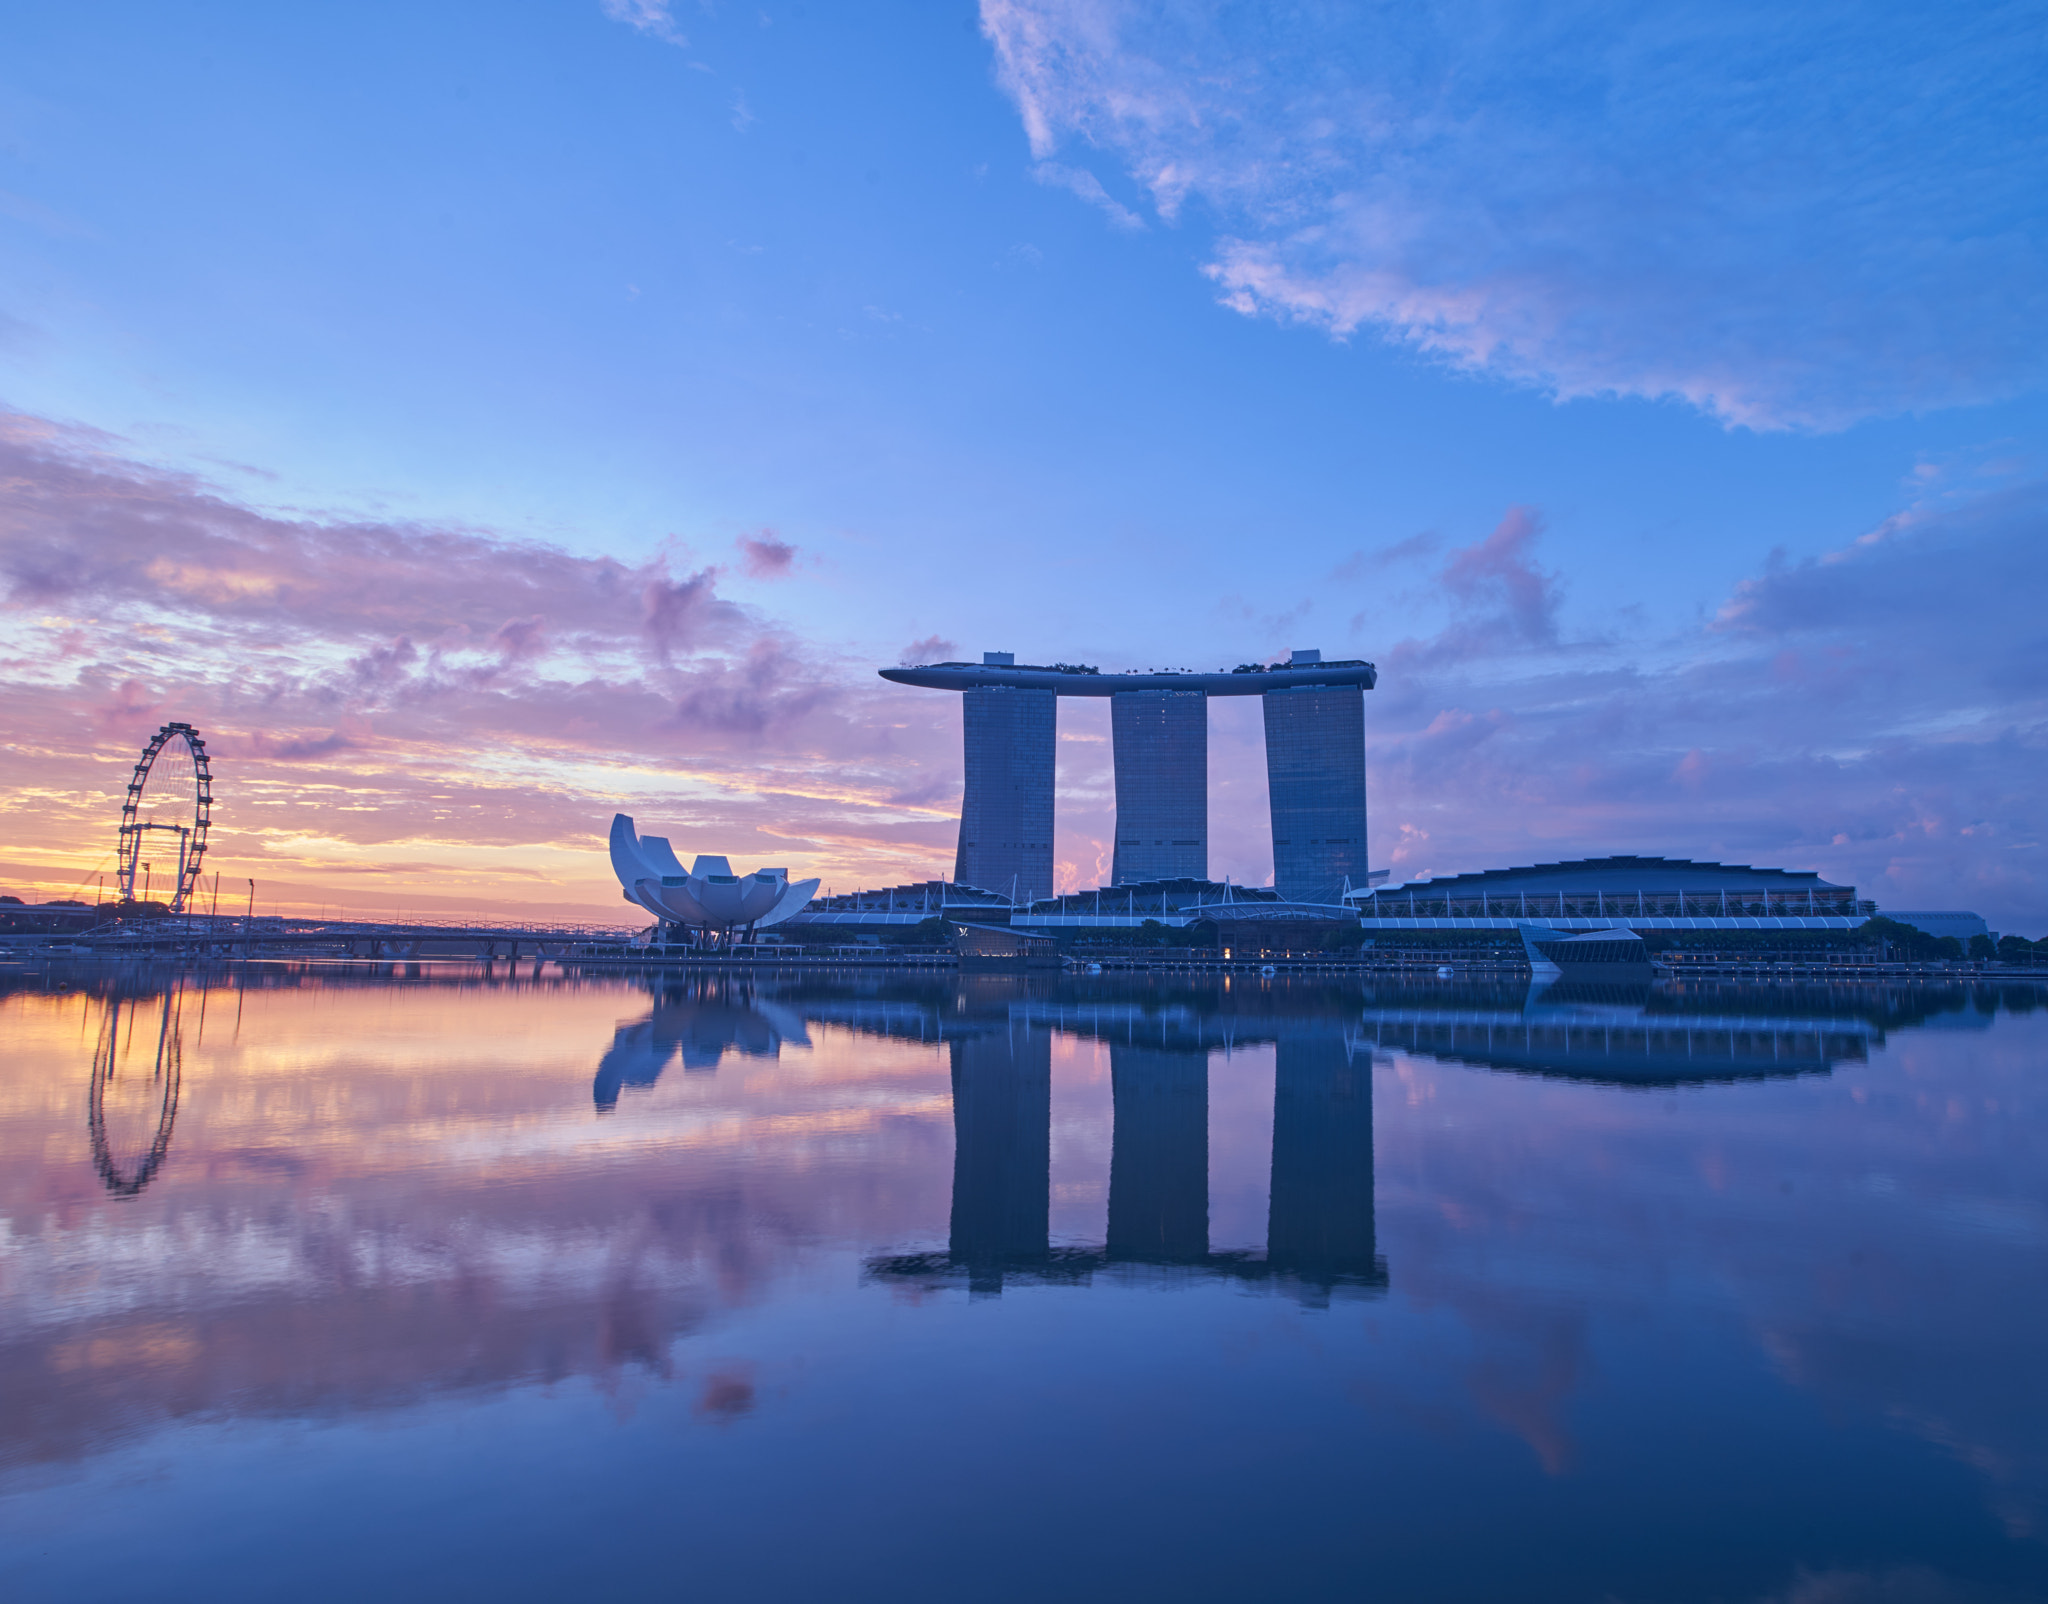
(705, 896)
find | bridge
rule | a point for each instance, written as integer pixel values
(225, 936)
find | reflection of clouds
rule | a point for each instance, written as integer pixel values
(432, 1209)
(727, 1393)
(1903, 1584)
(58, 1280)
(1518, 1205)
(370, 1205)
(1530, 1360)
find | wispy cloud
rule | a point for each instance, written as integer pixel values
(1788, 217)
(651, 17)
(1878, 714)
(1502, 569)
(1361, 563)
(389, 689)
(763, 556)
(1081, 182)
(389, 695)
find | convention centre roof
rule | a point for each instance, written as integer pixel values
(1615, 874)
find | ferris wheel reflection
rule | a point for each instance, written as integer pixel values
(133, 1106)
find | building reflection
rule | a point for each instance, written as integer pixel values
(269, 1271)
(1002, 1153)
(997, 1031)
(1320, 1234)
(1159, 1155)
(1320, 1228)
(698, 1017)
(1626, 1034)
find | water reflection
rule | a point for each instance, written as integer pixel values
(1321, 1230)
(1159, 1160)
(699, 1018)
(1706, 1207)
(1320, 1233)
(1626, 1034)
(133, 1106)
(1002, 1152)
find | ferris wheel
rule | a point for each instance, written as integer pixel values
(171, 792)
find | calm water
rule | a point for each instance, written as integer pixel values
(326, 1284)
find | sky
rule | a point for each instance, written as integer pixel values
(479, 419)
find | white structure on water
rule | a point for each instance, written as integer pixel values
(705, 896)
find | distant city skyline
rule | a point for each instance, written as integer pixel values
(477, 423)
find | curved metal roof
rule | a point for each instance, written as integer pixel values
(1621, 873)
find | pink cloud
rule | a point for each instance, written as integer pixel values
(401, 687)
(1639, 235)
(1878, 716)
(388, 695)
(1501, 601)
(765, 557)
(1501, 570)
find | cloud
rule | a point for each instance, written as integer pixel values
(932, 649)
(382, 693)
(1877, 714)
(1786, 217)
(1500, 602)
(765, 557)
(767, 689)
(651, 17)
(1361, 563)
(1500, 568)
(300, 748)
(1081, 182)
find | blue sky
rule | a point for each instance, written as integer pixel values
(1640, 387)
